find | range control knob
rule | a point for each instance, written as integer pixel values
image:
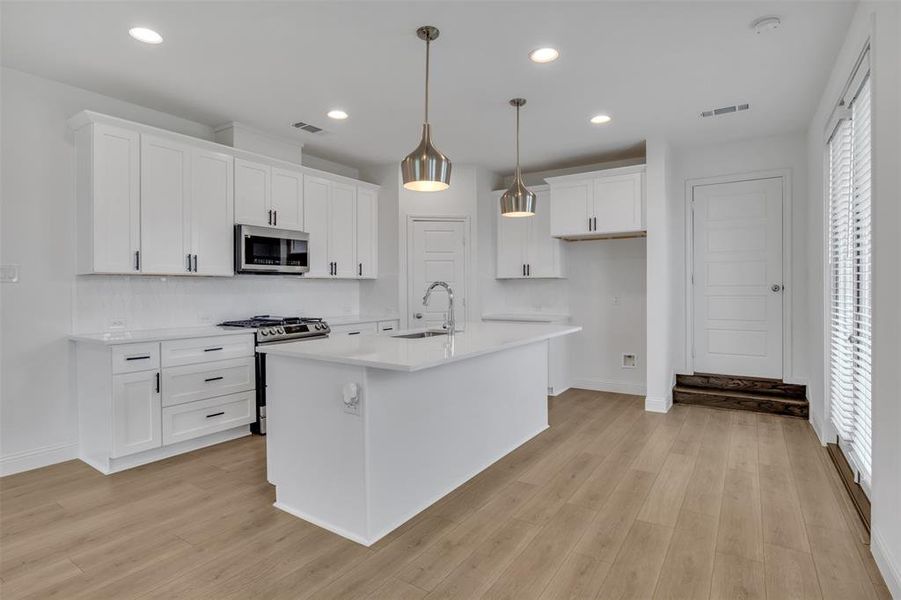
(264, 332)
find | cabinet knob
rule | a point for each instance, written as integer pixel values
(417, 316)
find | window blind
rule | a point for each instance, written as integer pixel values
(849, 250)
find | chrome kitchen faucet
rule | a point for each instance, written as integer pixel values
(449, 322)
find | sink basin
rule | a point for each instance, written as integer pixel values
(419, 334)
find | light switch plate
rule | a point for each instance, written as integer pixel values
(630, 361)
(9, 273)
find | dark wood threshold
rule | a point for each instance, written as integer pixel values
(846, 474)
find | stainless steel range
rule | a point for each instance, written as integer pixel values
(275, 330)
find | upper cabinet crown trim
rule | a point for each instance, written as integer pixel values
(87, 117)
(599, 173)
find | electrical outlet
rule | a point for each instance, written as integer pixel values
(629, 361)
(116, 324)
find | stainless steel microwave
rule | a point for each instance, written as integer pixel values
(272, 251)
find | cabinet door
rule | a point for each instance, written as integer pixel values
(512, 237)
(316, 192)
(252, 204)
(617, 203)
(165, 189)
(116, 218)
(137, 413)
(367, 233)
(212, 213)
(570, 207)
(287, 199)
(543, 254)
(342, 232)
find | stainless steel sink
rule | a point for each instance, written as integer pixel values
(420, 334)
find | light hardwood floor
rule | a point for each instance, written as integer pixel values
(610, 502)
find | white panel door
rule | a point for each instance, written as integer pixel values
(617, 203)
(570, 206)
(367, 233)
(117, 199)
(438, 254)
(738, 278)
(137, 413)
(512, 239)
(287, 199)
(342, 232)
(316, 192)
(165, 192)
(252, 203)
(543, 251)
(212, 213)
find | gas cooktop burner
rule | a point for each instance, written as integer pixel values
(279, 329)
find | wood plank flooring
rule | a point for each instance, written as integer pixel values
(610, 502)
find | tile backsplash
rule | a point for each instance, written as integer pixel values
(103, 302)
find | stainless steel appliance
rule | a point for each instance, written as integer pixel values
(275, 330)
(271, 251)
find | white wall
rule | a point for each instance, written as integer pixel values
(880, 22)
(37, 216)
(741, 157)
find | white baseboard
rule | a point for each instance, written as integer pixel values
(37, 458)
(324, 524)
(658, 405)
(606, 385)
(142, 458)
(887, 563)
(556, 392)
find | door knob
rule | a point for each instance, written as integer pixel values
(417, 316)
(776, 287)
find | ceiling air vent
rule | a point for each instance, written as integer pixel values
(725, 110)
(307, 127)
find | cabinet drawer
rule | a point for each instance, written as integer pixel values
(188, 383)
(131, 358)
(203, 417)
(208, 349)
(355, 329)
(388, 326)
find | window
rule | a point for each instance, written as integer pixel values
(850, 281)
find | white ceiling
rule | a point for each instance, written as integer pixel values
(652, 66)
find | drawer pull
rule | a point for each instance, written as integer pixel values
(212, 349)
(209, 379)
(387, 328)
(221, 412)
(147, 357)
(354, 332)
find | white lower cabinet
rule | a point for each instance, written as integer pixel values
(136, 412)
(142, 402)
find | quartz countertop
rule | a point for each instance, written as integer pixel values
(400, 354)
(527, 317)
(126, 336)
(365, 318)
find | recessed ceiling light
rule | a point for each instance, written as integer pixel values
(544, 55)
(148, 36)
(766, 24)
(337, 114)
(600, 119)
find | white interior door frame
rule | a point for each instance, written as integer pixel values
(407, 282)
(787, 275)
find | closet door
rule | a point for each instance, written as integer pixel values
(165, 190)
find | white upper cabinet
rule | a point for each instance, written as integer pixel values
(287, 198)
(316, 192)
(165, 220)
(367, 233)
(108, 188)
(212, 213)
(342, 232)
(600, 204)
(525, 248)
(252, 202)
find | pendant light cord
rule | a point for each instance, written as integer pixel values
(518, 173)
(428, 43)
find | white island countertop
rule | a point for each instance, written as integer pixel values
(131, 336)
(403, 354)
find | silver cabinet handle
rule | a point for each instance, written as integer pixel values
(776, 287)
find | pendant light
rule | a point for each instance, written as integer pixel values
(517, 201)
(426, 169)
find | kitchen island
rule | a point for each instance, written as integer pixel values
(366, 431)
